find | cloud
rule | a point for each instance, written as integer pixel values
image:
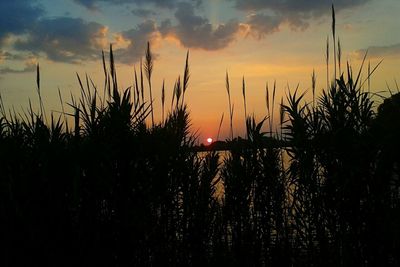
(137, 39)
(93, 4)
(60, 39)
(64, 39)
(30, 66)
(5, 56)
(191, 30)
(261, 24)
(313, 7)
(143, 13)
(296, 13)
(159, 3)
(194, 31)
(380, 51)
(17, 16)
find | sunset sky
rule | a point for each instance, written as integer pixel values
(262, 40)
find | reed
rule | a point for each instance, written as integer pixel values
(163, 101)
(244, 97)
(148, 66)
(220, 125)
(231, 107)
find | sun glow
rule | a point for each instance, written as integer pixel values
(209, 140)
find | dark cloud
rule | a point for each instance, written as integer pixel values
(159, 3)
(64, 39)
(59, 39)
(143, 13)
(138, 38)
(261, 24)
(194, 31)
(380, 51)
(296, 13)
(312, 7)
(93, 4)
(17, 16)
(191, 30)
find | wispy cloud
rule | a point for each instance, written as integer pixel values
(30, 66)
(380, 51)
(5, 55)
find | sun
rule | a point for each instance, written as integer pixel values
(209, 140)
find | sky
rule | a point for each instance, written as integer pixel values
(264, 41)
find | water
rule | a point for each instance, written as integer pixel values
(224, 154)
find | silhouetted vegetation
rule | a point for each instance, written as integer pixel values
(322, 189)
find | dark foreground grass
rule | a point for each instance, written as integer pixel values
(112, 190)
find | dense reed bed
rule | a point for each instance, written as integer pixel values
(117, 188)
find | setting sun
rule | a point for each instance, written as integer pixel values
(209, 140)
